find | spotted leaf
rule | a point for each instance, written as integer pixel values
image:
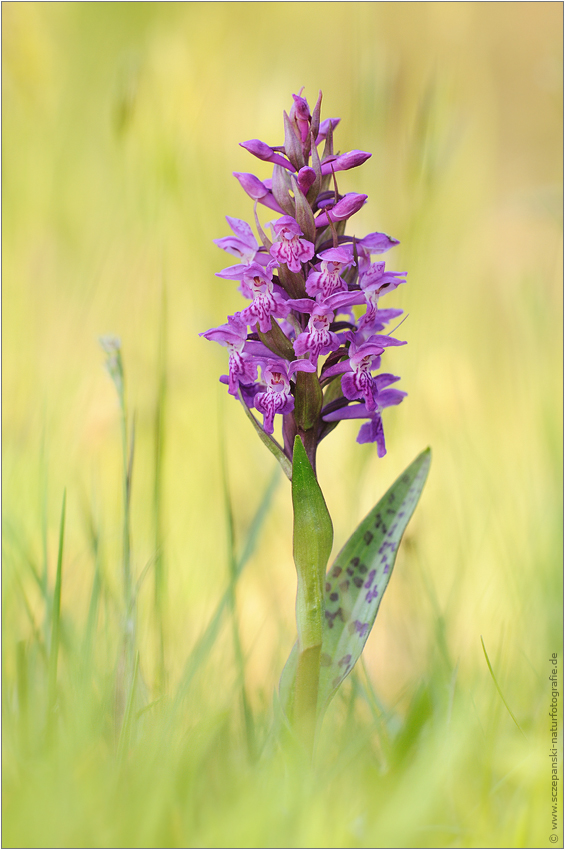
(355, 584)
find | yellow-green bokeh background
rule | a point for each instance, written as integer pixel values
(121, 127)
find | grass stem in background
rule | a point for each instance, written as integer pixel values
(509, 710)
(233, 577)
(206, 641)
(56, 619)
(160, 580)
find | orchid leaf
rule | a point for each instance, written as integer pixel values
(355, 584)
(358, 578)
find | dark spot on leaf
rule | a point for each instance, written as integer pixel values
(344, 585)
(328, 587)
(362, 628)
(344, 661)
(350, 571)
(367, 537)
(354, 562)
(362, 568)
(391, 497)
(358, 581)
(336, 572)
(331, 617)
(334, 597)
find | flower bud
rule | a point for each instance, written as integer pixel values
(344, 209)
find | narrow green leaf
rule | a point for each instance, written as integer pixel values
(268, 441)
(358, 578)
(56, 612)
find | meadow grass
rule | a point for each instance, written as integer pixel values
(148, 583)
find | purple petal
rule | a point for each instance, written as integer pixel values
(344, 209)
(324, 128)
(372, 432)
(257, 190)
(352, 411)
(377, 243)
(267, 154)
(345, 161)
(300, 366)
(306, 177)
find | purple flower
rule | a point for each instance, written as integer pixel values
(277, 398)
(257, 284)
(327, 280)
(344, 209)
(374, 320)
(257, 190)
(306, 177)
(264, 152)
(372, 431)
(243, 244)
(325, 128)
(300, 115)
(317, 339)
(376, 282)
(242, 367)
(361, 384)
(301, 291)
(374, 243)
(289, 248)
(344, 161)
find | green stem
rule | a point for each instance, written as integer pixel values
(306, 694)
(312, 543)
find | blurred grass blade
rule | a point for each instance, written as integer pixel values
(206, 641)
(125, 731)
(56, 614)
(356, 582)
(498, 689)
(93, 606)
(160, 578)
(233, 576)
